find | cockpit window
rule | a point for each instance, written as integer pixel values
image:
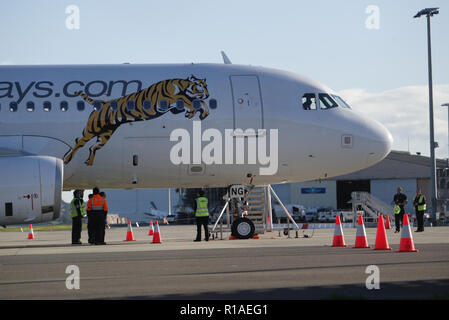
(309, 101)
(326, 102)
(341, 102)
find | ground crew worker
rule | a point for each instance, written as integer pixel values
(420, 207)
(98, 207)
(399, 200)
(201, 215)
(90, 223)
(78, 211)
(105, 213)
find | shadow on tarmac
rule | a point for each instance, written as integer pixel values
(429, 289)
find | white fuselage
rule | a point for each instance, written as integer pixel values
(311, 144)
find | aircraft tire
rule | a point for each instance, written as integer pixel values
(243, 228)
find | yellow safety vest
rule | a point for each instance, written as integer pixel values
(421, 207)
(201, 207)
(73, 210)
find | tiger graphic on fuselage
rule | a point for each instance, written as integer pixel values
(109, 115)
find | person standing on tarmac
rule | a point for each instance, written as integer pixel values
(201, 215)
(90, 223)
(78, 211)
(98, 207)
(105, 221)
(399, 200)
(420, 207)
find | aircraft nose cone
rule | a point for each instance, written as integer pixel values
(380, 143)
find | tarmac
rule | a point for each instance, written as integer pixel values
(269, 268)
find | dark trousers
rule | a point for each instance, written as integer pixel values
(90, 227)
(202, 221)
(398, 220)
(77, 224)
(420, 218)
(98, 227)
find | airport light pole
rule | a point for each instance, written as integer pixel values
(429, 12)
(447, 105)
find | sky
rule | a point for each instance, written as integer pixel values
(375, 58)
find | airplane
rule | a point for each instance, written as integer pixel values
(157, 214)
(65, 127)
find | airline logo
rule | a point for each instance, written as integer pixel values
(175, 95)
(19, 91)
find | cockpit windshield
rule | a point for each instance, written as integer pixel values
(341, 102)
(309, 101)
(325, 101)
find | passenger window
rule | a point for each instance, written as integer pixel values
(64, 106)
(97, 105)
(47, 106)
(309, 101)
(197, 104)
(13, 106)
(326, 102)
(341, 102)
(130, 105)
(180, 104)
(163, 105)
(147, 105)
(213, 104)
(30, 106)
(80, 105)
(114, 105)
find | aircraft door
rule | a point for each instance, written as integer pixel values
(247, 102)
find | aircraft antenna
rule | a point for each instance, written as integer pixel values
(226, 60)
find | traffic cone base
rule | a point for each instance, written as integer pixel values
(339, 240)
(406, 244)
(231, 237)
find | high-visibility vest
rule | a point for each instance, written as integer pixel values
(421, 207)
(97, 203)
(74, 210)
(201, 207)
(397, 209)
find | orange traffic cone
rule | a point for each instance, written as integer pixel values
(406, 244)
(129, 233)
(360, 237)
(387, 223)
(31, 233)
(151, 231)
(157, 234)
(381, 236)
(339, 240)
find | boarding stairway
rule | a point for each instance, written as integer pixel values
(372, 207)
(256, 200)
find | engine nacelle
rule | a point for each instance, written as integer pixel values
(30, 189)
